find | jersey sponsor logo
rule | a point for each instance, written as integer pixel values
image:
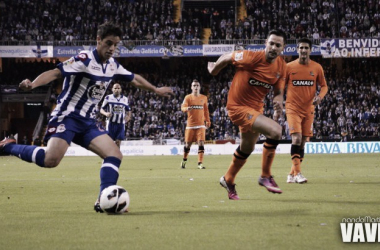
(238, 56)
(303, 83)
(254, 82)
(95, 68)
(118, 109)
(96, 92)
(196, 106)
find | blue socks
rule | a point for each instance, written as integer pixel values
(27, 153)
(109, 172)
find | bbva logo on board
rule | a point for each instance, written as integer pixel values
(340, 147)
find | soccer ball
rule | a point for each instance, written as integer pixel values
(114, 200)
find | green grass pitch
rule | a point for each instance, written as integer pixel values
(173, 208)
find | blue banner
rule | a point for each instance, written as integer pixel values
(344, 48)
(290, 49)
(138, 51)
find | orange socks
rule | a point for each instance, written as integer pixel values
(269, 151)
(238, 160)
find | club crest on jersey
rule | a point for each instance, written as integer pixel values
(83, 57)
(61, 128)
(311, 73)
(238, 56)
(249, 116)
(278, 75)
(100, 127)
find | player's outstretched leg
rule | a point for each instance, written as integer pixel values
(27, 153)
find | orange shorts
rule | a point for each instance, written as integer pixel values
(195, 135)
(300, 123)
(244, 117)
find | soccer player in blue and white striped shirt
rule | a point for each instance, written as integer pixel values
(86, 78)
(115, 107)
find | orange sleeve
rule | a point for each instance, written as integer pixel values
(206, 112)
(243, 58)
(185, 104)
(322, 82)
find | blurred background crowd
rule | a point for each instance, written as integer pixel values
(350, 110)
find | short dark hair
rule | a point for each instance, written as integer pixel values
(278, 32)
(196, 81)
(108, 29)
(304, 40)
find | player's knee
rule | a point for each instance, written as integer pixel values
(296, 139)
(118, 155)
(51, 163)
(275, 132)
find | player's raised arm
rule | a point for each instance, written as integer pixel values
(141, 83)
(43, 79)
(215, 67)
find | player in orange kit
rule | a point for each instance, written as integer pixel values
(303, 75)
(256, 73)
(198, 119)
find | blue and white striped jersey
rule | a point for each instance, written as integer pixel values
(117, 107)
(86, 81)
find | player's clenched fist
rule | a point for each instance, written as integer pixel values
(25, 85)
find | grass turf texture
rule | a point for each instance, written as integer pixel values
(173, 208)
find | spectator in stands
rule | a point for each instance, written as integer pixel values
(37, 141)
(25, 140)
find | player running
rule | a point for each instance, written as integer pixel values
(256, 73)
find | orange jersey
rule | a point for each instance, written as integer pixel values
(199, 113)
(302, 85)
(254, 78)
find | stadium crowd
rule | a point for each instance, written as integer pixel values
(68, 21)
(349, 110)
